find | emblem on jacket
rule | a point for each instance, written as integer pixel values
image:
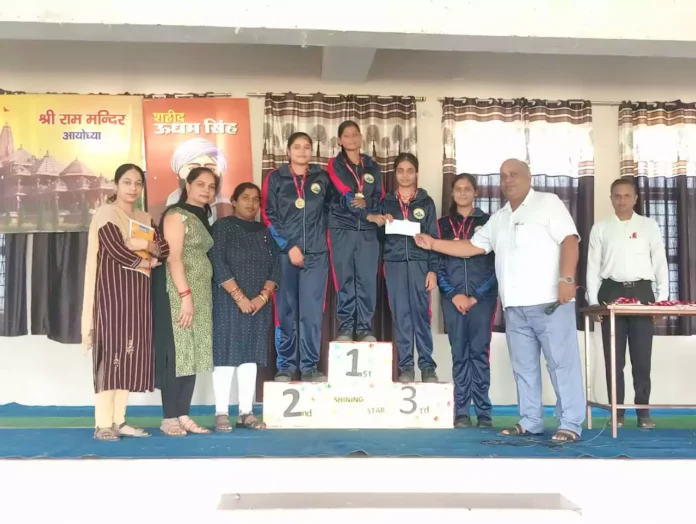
(418, 213)
(369, 178)
(316, 188)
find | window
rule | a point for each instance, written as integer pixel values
(658, 149)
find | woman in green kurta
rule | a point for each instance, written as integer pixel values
(183, 320)
(193, 344)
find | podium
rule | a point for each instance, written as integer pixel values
(359, 394)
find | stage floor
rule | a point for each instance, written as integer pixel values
(65, 433)
(194, 490)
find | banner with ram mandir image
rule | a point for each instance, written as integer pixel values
(58, 155)
(184, 133)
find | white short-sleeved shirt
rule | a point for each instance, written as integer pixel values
(627, 251)
(527, 245)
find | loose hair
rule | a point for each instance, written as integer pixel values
(243, 187)
(296, 136)
(193, 175)
(406, 157)
(461, 176)
(122, 170)
(347, 124)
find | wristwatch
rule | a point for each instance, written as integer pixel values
(567, 280)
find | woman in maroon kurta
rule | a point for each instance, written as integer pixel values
(117, 318)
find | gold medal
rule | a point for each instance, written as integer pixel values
(300, 203)
(359, 195)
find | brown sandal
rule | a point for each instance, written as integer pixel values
(172, 428)
(518, 431)
(189, 425)
(106, 435)
(222, 424)
(250, 421)
(124, 430)
(565, 436)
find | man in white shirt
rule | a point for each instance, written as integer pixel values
(626, 255)
(536, 254)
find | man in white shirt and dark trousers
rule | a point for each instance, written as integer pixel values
(536, 254)
(626, 255)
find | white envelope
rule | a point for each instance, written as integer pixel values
(402, 227)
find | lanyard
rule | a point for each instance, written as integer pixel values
(404, 207)
(358, 179)
(299, 185)
(458, 231)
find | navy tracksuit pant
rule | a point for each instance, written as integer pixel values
(470, 339)
(410, 307)
(300, 311)
(355, 259)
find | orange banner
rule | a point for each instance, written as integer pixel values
(183, 133)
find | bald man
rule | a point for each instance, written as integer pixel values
(536, 255)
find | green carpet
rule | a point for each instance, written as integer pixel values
(663, 422)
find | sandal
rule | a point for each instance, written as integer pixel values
(124, 430)
(250, 421)
(222, 424)
(172, 428)
(106, 435)
(565, 435)
(646, 423)
(517, 431)
(189, 425)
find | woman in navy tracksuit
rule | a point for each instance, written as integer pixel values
(359, 192)
(469, 292)
(411, 272)
(294, 207)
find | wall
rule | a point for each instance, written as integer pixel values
(39, 372)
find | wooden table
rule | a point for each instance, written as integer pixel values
(612, 311)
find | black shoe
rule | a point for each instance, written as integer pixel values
(345, 336)
(484, 422)
(313, 376)
(646, 422)
(366, 336)
(462, 421)
(283, 376)
(428, 375)
(407, 375)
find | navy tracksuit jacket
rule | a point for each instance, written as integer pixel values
(354, 242)
(470, 334)
(299, 317)
(405, 268)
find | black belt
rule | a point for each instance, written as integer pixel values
(627, 284)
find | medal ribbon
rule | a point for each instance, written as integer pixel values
(458, 231)
(358, 180)
(299, 186)
(405, 206)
